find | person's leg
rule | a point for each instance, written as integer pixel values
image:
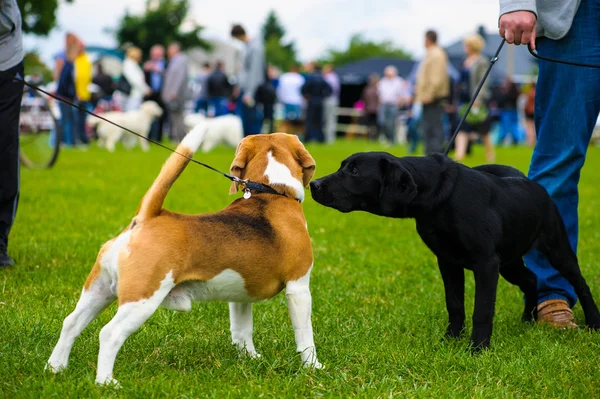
(462, 141)
(10, 109)
(567, 104)
(426, 128)
(436, 128)
(514, 126)
(66, 124)
(318, 123)
(330, 112)
(81, 121)
(308, 124)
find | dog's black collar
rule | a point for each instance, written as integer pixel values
(249, 186)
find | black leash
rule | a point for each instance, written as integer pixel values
(247, 185)
(492, 62)
(464, 117)
(540, 57)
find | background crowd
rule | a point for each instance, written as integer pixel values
(303, 100)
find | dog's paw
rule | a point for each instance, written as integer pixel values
(55, 368)
(108, 382)
(313, 365)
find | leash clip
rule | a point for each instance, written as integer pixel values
(244, 184)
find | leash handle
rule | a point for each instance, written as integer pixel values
(541, 57)
(464, 117)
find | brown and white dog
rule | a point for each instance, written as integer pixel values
(247, 252)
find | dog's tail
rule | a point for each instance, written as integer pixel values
(152, 202)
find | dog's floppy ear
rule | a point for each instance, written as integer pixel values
(307, 162)
(398, 187)
(238, 165)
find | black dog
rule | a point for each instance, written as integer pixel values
(482, 219)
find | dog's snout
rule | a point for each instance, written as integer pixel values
(315, 185)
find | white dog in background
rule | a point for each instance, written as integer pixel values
(138, 121)
(226, 129)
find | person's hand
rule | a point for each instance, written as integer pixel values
(519, 27)
(149, 66)
(426, 100)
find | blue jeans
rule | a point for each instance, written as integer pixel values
(509, 123)
(220, 105)
(389, 116)
(80, 119)
(252, 118)
(67, 122)
(567, 103)
(201, 105)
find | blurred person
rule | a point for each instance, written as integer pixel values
(201, 79)
(154, 71)
(175, 89)
(477, 124)
(391, 89)
(509, 117)
(105, 82)
(529, 116)
(567, 104)
(251, 76)
(370, 98)
(432, 88)
(219, 89)
(60, 58)
(331, 103)
(265, 97)
(136, 79)
(11, 64)
(83, 78)
(289, 94)
(66, 90)
(315, 90)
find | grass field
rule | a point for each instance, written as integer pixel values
(378, 300)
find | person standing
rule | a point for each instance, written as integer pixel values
(315, 91)
(219, 89)
(391, 90)
(175, 89)
(11, 64)
(289, 94)
(65, 89)
(83, 78)
(370, 97)
(509, 117)
(331, 103)
(478, 121)
(135, 77)
(154, 70)
(201, 79)
(432, 88)
(567, 104)
(252, 75)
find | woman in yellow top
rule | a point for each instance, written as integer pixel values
(83, 80)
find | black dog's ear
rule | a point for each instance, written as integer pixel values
(398, 188)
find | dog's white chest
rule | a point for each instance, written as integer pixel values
(226, 286)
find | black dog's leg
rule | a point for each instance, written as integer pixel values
(486, 283)
(516, 273)
(557, 249)
(454, 285)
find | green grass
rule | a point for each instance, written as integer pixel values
(378, 302)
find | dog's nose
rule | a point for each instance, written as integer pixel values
(315, 185)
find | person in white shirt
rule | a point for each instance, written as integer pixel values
(288, 93)
(132, 71)
(392, 94)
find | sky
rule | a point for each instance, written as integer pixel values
(315, 25)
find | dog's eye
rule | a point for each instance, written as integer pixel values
(354, 171)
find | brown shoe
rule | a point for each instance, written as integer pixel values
(556, 313)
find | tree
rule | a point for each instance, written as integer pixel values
(35, 66)
(161, 23)
(360, 48)
(39, 16)
(282, 55)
